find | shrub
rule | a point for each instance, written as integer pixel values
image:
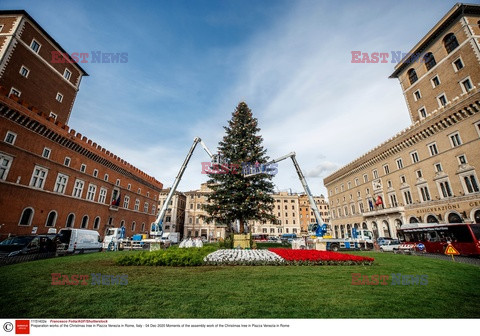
(172, 256)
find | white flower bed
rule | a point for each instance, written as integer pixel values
(243, 257)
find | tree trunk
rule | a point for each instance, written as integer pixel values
(241, 229)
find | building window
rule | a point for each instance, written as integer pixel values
(126, 201)
(145, 207)
(59, 97)
(84, 224)
(5, 164)
(442, 100)
(375, 174)
(92, 190)
(356, 182)
(407, 197)
(102, 195)
(153, 209)
(67, 161)
(96, 223)
(78, 188)
(414, 156)
(393, 200)
(67, 74)
(53, 115)
(389, 184)
(417, 95)
(412, 76)
(143, 226)
(24, 71)
(83, 168)
(46, 152)
(38, 177)
(1, 28)
(445, 189)
(466, 85)
(15, 92)
(26, 217)
(450, 42)
(462, 159)
(419, 173)
(95, 173)
(35, 46)
(471, 183)
(70, 221)
(435, 81)
(137, 205)
(422, 112)
(129, 186)
(10, 137)
(457, 64)
(455, 139)
(438, 167)
(133, 226)
(61, 183)
(117, 182)
(403, 179)
(365, 178)
(433, 149)
(105, 177)
(51, 219)
(477, 127)
(399, 163)
(429, 60)
(424, 193)
(360, 206)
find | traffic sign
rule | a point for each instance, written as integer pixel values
(450, 250)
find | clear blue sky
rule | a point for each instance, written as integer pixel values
(191, 62)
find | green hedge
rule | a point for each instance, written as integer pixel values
(172, 256)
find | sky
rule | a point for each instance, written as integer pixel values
(189, 64)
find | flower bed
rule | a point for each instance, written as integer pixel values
(243, 257)
(283, 256)
(314, 257)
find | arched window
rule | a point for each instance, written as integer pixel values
(454, 218)
(412, 76)
(386, 229)
(450, 42)
(70, 221)
(432, 219)
(26, 217)
(413, 220)
(398, 224)
(51, 219)
(364, 226)
(122, 223)
(133, 226)
(143, 227)
(96, 223)
(84, 222)
(476, 215)
(375, 229)
(429, 60)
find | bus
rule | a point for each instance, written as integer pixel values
(465, 238)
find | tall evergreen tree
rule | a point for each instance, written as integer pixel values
(236, 197)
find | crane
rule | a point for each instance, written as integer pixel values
(157, 226)
(319, 229)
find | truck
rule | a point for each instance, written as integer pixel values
(318, 232)
(171, 237)
(71, 241)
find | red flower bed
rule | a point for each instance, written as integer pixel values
(319, 257)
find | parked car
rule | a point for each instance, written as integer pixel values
(383, 240)
(274, 240)
(26, 245)
(390, 246)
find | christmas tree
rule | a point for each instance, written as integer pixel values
(236, 197)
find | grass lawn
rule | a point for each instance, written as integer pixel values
(453, 290)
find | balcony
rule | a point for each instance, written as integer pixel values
(385, 211)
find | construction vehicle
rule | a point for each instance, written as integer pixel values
(318, 233)
(156, 229)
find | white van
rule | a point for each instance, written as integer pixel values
(78, 241)
(112, 237)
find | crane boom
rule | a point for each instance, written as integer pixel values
(157, 225)
(313, 205)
